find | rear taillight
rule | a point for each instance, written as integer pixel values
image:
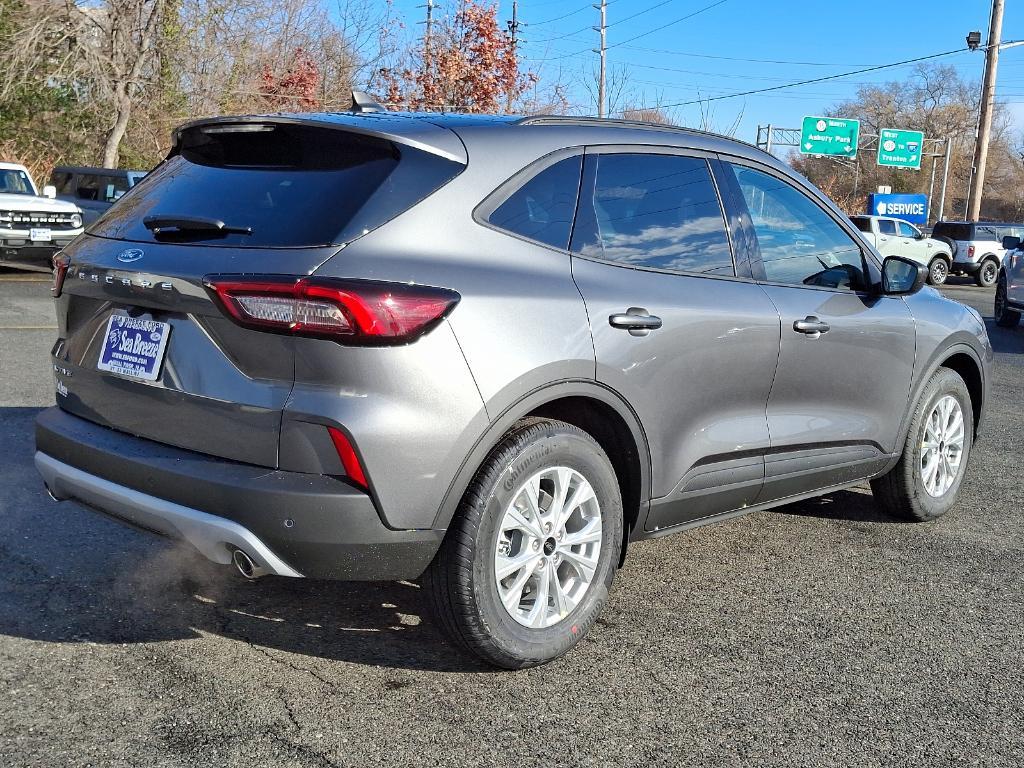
(970, 251)
(60, 271)
(347, 311)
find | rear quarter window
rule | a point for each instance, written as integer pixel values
(542, 209)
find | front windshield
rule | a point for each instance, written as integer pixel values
(15, 182)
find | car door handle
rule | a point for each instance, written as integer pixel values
(636, 320)
(811, 325)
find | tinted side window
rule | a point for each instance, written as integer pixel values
(657, 211)
(952, 231)
(112, 187)
(800, 244)
(861, 223)
(887, 226)
(64, 182)
(88, 187)
(543, 208)
(906, 230)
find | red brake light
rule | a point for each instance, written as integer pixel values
(348, 311)
(970, 251)
(348, 457)
(60, 271)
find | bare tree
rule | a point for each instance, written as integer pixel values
(119, 44)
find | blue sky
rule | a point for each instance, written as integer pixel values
(683, 61)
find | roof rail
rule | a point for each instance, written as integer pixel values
(614, 122)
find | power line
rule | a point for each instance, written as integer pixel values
(753, 61)
(813, 80)
(637, 37)
(670, 24)
(640, 13)
(581, 9)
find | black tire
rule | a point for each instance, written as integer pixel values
(461, 581)
(901, 492)
(1005, 317)
(938, 270)
(987, 273)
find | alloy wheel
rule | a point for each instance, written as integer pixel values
(942, 446)
(548, 547)
(939, 272)
(988, 273)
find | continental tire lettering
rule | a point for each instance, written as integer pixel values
(522, 465)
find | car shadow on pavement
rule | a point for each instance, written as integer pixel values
(855, 505)
(71, 575)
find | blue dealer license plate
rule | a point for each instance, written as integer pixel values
(134, 347)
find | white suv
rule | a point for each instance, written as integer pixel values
(33, 227)
(894, 237)
(977, 247)
(1009, 302)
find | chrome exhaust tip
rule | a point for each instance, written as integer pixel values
(50, 493)
(246, 566)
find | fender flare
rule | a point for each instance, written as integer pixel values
(528, 403)
(938, 358)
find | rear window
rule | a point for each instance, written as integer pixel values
(862, 223)
(290, 185)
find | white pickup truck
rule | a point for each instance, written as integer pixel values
(33, 227)
(894, 237)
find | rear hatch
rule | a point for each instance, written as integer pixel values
(144, 345)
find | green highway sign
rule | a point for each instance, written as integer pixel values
(833, 136)
(900, 149)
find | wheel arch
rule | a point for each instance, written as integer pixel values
(966, 362)
(596, 409)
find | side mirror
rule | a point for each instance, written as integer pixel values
(902, 277)
(50, 191)
(920, 236)
(1011, 243)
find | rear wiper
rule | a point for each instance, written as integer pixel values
(161, 224)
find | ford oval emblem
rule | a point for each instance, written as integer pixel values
(132, 254)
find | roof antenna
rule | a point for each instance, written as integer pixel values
(362, 102)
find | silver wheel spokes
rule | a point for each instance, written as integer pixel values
(548, 547)
(942, 446)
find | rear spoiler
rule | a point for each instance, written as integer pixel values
(402, 129)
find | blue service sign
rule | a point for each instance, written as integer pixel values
(912, 208)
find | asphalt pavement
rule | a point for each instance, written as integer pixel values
(817, 634)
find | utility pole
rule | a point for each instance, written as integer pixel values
(428, 34)
(603, 50)
(513, 31)
(988, 95)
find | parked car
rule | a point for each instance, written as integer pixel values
(490, 352)
(94, 190)
(1009, 301)
(33, 227)
(894, 237)
(977, 247)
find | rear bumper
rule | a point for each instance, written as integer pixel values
(289, 523)
(967, 267)
(36, 257)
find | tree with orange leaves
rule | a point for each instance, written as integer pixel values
(468, 64)
(296, 88)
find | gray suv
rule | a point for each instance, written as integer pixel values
(489, 352)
